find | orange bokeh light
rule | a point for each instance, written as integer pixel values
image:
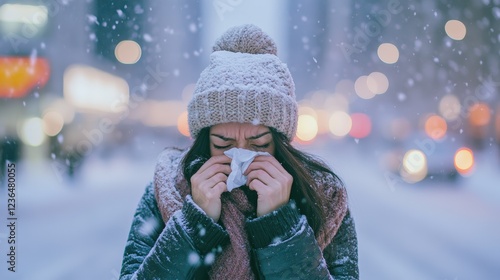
(464, 160)
(19, 75)
(435, 127)
(479, 114)
(182, 124)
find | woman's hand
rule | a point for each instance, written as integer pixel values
(209, 183)
(271, 182)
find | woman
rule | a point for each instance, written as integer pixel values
(289, 221)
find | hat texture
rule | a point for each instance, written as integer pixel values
(245, 82)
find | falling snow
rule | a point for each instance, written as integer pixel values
(194, 259)
(192, 27)
(148, 227)
(147, 37)
(33, 56)
(411, 82)
(440, 64)
(209, 259)
(92, 19)
(138, 9)
(496, 12)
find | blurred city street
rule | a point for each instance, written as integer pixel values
(429, 230)
(400, 98)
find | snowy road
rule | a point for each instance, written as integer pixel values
(430, 231)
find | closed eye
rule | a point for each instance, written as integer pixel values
(262, 146)
(221, 147)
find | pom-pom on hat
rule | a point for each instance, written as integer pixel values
(245, 82)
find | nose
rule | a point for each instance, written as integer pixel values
(243, 145)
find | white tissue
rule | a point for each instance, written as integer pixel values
(241, 159)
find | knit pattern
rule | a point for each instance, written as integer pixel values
(245, 82)
(247, 38)
(234, 261)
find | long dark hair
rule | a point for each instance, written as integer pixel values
(300, 165)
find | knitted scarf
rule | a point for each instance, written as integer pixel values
(171, 188)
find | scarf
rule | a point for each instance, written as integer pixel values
(171, 189)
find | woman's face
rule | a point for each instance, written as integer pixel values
(240, 135)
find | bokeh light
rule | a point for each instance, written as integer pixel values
(31, 132)
(128, 52)
(479, 114)
(449, 107)
(53, 123)
(362, 89)
(307, 128)
(388, 53)
(377, 82)
(361, 125)
(340, 123)
(36, 16)
(21, 75)
(63, 108)
(435, 127)
(455, 29)
(90, 89)
(317, 98)
(307, 110)
(336, 102)
(182, 124)
(464, 160)
(414, 167)
(322, 119)
(159, 113)
(497, 124)
(345, 87)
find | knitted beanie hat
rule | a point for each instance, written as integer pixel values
(245, 82)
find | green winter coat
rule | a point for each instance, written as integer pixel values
(283, 244)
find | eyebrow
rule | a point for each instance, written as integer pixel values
(258, 135)
(249, 138)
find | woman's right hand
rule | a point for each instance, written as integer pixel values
(209, 183)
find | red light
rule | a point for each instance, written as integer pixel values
(361, 125)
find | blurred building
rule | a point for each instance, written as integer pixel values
(77, 76)
(82, 76)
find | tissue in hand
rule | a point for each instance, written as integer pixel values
(241, 159)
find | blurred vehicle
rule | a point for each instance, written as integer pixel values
(420, 157)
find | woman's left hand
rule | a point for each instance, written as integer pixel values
(271, 181)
